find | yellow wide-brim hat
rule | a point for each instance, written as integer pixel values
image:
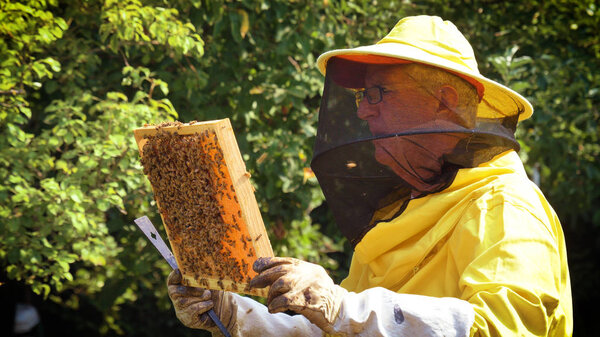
(432, 41)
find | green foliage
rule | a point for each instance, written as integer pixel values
(70, 98)
(77, 76)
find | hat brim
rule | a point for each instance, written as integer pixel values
(494, 94)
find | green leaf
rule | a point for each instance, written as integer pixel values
(76, 196)
(102, 204)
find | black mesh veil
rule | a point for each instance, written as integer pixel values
(374, 155)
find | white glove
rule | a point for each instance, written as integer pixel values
(302, 287)
(241, 316)
(192, 304)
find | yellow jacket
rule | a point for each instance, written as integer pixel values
(490, 239)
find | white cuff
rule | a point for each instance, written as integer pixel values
(253, 319)
(381, 312)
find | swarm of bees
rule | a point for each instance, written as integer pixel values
(198, 205)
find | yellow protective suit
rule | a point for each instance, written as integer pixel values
(490, 239)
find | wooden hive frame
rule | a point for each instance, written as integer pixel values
(241, 211)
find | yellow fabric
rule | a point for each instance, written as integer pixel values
(436, 37)
(490, 239)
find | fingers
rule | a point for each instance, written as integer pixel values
(205, 321)
(206, 294)
(263, 263)
(288, 279)
(291, 301)
(179, 291)
(191, 303)
(192, 313)
(269, 276)
(196, 306)
(278, 288)
(176, 290)
(279, 304)
(270, 269)
(185, 303)
(174, 277)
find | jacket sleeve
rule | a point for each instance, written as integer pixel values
(381, 312)
(514, 270)
(254, 320)
(373, 312)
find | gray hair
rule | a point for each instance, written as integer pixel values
(433, 78)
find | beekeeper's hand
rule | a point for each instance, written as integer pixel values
(303, 287)
(192, 304)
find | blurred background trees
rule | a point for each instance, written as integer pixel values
(77, 76)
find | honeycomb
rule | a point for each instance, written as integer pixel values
(199, 206)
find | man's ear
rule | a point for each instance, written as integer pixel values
(448, 98)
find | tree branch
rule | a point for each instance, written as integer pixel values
(12, 92)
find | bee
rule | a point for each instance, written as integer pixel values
(203, 282)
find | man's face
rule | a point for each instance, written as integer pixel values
(406, 106)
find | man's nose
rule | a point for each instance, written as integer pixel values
(366, 110)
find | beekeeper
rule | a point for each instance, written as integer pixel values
(416, 155)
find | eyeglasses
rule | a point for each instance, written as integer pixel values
(374, 95)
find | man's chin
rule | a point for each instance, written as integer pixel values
(384, 158)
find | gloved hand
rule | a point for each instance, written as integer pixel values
(303, 287)
(192, 304)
